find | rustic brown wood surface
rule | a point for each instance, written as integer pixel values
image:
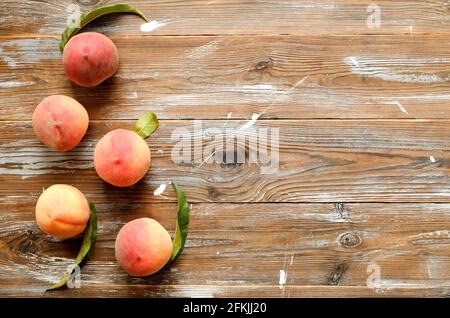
(362, 186)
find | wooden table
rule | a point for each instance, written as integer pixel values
(363, 115)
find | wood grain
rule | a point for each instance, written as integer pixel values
(212, 17)
(320, 161)
(216, 77)
(364, 121)
(239, 249)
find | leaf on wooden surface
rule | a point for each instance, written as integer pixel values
(181, 230)
(85, 250)
(146, 125)
(87, 17)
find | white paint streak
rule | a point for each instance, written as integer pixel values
(438, 233)
(133, 95)
(297, 5)
(301, 81)
(229, 115)
(7, 59)
(204, 50)
(428, 269)
(283, 278)
(23, 51)
(151, 26)
(12, 84)
(160, 151)
(405, 70)
(432, 159)
(250, 123)
(31, 161)
(402, 108)
(352, 59)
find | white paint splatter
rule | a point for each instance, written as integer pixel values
(432, 159)
(283, 278)
(7, 59)
(405, 70)
(160, 151)
(292, 260)
(229, 115)
(160, 189)
(402, 108)
(352, 59)
(151, 26)
(300, 5)
(217, 253)
(12, 84)
(133, 95)
(204, 50)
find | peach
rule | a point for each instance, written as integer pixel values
(60, 122)
(62, 211)
(143, 247)
(121, 158)
(90, 58)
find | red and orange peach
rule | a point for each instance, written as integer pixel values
(143, 247)
(60, 122)
(121, 158)
(62, 211)
(90, 58)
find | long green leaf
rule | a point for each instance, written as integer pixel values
(181, 230)
(146, 125)
(90, 236)
(87, 17)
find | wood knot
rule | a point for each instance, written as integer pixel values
(263, 65)
(212, 193)
(28, 244)
(341, 210)
(349, 240)
(258, 70)
(337, 274)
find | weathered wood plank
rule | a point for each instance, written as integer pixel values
(319, 161)
(217, 77)
(183, 17)
(240, 249)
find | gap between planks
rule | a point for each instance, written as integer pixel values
(224, 35)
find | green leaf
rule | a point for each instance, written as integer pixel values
(90, 236)
(146, 125)
(87, 17)
(181, 230)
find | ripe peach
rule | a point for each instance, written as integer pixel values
(60, 122)
(121, 158)
(62, 211)
(143, 247)
(90, 58)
